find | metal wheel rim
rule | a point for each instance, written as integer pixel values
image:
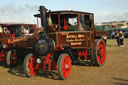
(30, 66)
(66, 66)
(101, 52)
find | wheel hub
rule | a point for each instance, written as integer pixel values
(66, 66)
(38, 61)
(13, 57)
(41, 46)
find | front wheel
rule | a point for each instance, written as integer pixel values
(29, 65)
(64, 66)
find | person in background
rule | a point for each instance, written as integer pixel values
(113, 35)
(1, 30)
(105, 39)
(117, 35)
(121, 36)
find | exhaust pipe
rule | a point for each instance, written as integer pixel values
(43, 16)
(45, 44)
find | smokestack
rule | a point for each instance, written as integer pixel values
(43, 16)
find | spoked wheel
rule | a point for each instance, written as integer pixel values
(30, 65)
(11, 58)
(99, 53)
(64, 66)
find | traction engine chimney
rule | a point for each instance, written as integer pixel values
(43, 16)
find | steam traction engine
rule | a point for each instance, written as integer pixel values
(15, 40)
(65, 37)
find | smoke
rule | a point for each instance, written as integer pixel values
(31, 8)
(24, 14)
(18, 14)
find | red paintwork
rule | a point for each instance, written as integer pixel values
(10, 41)
(84, 53)
(65, 24)
(6, 35)
(47, 61)
(2, 59)
(2, 55)
(102, 52)
(66, 61)
(32, 65)
(14, 58)
(58, 48)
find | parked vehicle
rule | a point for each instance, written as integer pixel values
(15, 39)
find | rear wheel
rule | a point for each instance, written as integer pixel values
(29, 65)
(64, 66)
(11, 58)
(99, 53)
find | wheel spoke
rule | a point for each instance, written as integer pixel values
(31, 66)
(66, 70)
(101, 50)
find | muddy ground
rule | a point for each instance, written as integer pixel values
(114, 72)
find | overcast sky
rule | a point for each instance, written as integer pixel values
(23, 10)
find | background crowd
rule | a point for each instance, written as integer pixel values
(120, 38)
